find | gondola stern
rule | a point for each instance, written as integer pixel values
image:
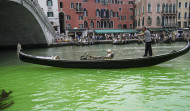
(19, 48)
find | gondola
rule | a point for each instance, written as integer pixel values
(102, 64)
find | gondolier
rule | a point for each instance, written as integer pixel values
(147, 37)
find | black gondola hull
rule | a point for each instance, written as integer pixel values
(104, 64)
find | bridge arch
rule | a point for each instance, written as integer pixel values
(23, 21)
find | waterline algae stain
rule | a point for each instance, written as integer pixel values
(162, 87)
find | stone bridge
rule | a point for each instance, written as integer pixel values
(23, 21)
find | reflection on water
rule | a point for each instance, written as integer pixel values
(157, 88)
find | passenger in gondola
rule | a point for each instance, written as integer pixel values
(110, 55)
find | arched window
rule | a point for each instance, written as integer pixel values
(166, 23)
(149, 7)
(143, 21)
(111, 24)
(105, 24)
(185, 15)
(166, 8)
(158, 20)
(107, 13)
(143, 9)
(97, 13)
(139, 10)
(158, 8)
(108, 24)
(85, 12)
(170, 8)
(111, 13)
(163, 8)
(139, 22)
(98, 24)
(91, 24)
(85, 24)
(174, 9)
(49, 3)
(102, 24)
(163, 20)
(149, 21)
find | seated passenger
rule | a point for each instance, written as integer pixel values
(109, 55)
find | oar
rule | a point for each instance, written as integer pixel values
(144, 44)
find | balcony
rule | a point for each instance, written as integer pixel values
(170, 12)
(105, 18)
(79, 10)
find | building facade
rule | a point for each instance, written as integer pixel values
(155, 14)
(80, 15)
(183, 18)
(50, 8)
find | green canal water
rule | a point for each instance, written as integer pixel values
(165, 87)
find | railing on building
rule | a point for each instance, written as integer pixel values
(79, 10)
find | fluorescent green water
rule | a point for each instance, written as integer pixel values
(165, 87)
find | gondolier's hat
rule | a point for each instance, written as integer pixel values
(109, 50)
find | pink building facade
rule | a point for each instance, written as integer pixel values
(155, 14)
(88, 15)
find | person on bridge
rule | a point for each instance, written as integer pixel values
(147, 37)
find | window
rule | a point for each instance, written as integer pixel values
(97, 13)
(84, 0)
(111, 13)
(130, 17)
(68, 26)
(139, 22)
(131, 26)
(124, 18)
(170, 8)
(185, 4)
(68, 17)
(111, 1)
(135, 11)
(120, 17)
(97, 1)
(139, 10)
(61, 4)
(143, 21)
(131, 9)
(179, 15)
(179, 4)
(111, 24)
(116, 14)
(98, 24)
(158, 20)
(50, 14)
(185, 15)
(130, 2)
(85, 24)
(120, 2)
(80, 17)
(158, 8)
(149, 21)
(72, 5)
(91, 24)
(120, 26)
(49, 3)
(85, 12)
(80, 26)
(163, 8)
(166, 8)
(78, 7)
(124, 26)
(119, 9)
(115, 1)
(143, 9)
(149, 7)
(174, 9)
